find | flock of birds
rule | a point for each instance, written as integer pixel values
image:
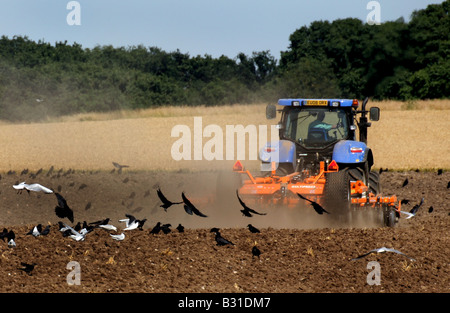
(79, 231)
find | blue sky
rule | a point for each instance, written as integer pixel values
(197, 27)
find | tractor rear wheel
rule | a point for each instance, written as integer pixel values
(337, 195)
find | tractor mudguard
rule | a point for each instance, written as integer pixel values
(352, 152)
(282, 151)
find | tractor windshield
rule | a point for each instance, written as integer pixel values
(314, 127)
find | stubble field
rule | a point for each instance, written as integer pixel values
(300, 252)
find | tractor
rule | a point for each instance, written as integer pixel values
(319, 157)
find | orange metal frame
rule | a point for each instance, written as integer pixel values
(311, 187)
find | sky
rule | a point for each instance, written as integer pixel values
(196, 27)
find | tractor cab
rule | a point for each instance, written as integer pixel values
(314, 130)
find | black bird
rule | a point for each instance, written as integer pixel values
(222, 241)
(166, 228)
(46, 231)
(190, 208)
(214, 230)
(253, 229)
(100, 222)
(119, 167)
(405, 182)
(440, 171)
(256, 251)
(317, 207)
(63, 210)
(180, 228)
(404, 201)
(430, 209)
(247, 211)
(448, 185)
(3, 234)
(27, 268)
(166, 203)
(156, 229)
(413, 210)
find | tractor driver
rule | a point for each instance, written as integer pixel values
(319, 123)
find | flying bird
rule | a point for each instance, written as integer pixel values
(62, 210)
(317, 207)
(119, 166)
(31, 187)
(166, 203)
(75, 235)
(119, 237)
(132, 223)
(190, 208)
(246, 211)
(381, 250)
(27, 268)
(222, 241)
(414, 210)
(253, 229)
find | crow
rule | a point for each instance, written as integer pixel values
(46, 231)
(166, 228)
(253, 229)
(256, 251)
(3, 234)
(180, 228)
(430, 209)
(222, 241)
(62, 210)
(448, 185)
(156, 229)
(27, 268)
(247, 211)
(405, 182)
(381, 250)
(190, 208)
(317, 207)
(166, 203)
(440, 171)
(404, 201)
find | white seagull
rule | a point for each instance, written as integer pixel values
(32, 187)
(77, 236)
(108, 227)
(131, 222)
(118, 237)
(382, 250)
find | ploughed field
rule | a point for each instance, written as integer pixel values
(301, 251)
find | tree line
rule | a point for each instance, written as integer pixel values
(343, 58)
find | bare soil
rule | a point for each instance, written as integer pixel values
(299, 253)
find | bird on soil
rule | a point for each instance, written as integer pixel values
(166, 203)
(10, 236)
(27, 268)
(246, 211)
(35, 231)
(405, 182)
(381, 250)
(62, 210)
(75, 235)
(132, 223)
(156, 229)
(317, 207)
(253, 229)
(190, 208)
(166, 228)
(118, 237)
(255, 251)
(180, 228)
(31, 187)
(220, 241)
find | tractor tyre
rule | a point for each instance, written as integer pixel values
(337, 195)
(374, 183)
